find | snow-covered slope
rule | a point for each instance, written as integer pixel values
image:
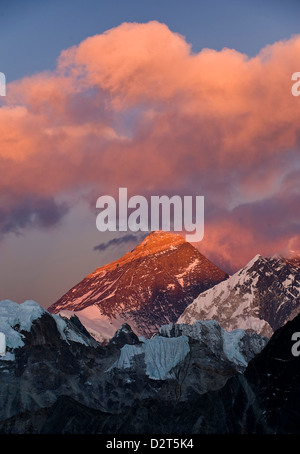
(260, 297)
(161, 356)
(15, 318)
(147, 287)
(29, 322)
(164, 355)
(101, 327)
(238, 346)
(2, 344)
(48, 358)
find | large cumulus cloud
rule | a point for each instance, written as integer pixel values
(135, 107)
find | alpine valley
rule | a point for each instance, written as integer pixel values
(160, 341)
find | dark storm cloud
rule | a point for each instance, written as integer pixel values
(31, 211)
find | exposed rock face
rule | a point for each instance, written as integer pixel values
(44, 355)
(123, 336)
(60, 380)
(237, 346)
(146, 288)
(261, 297)
(272, 385)
(264, 399)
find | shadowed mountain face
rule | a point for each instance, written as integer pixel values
(203, 394)
(199, 378)
(55, 378)
(262, 296)
(146, 288)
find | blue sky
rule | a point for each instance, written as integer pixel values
(33, 32)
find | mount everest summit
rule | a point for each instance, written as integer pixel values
(159, 341)
(146, 288)
(167, 280)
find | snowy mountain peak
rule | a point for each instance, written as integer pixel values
(160, 240)
(260, 297)
(149, 286)
(256, 260)
(156, 241)
(29, 323)
(15, 318)
(124, 335)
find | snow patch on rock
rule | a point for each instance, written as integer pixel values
(2, 344)
(238, 346)
(161, 356)
(16, 317)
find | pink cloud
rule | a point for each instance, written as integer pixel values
(136, 107)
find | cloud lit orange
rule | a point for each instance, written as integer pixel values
(135, 107)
